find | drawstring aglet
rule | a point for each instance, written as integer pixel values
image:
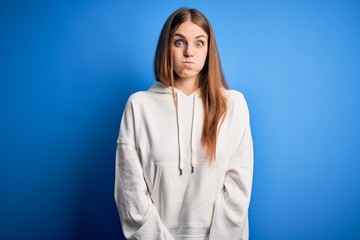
(180, 171)
(192, 169)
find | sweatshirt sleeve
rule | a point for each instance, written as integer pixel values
(230, 220)
(139, 217)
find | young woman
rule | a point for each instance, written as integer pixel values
(184, 160)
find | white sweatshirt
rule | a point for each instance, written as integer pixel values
(164, 186)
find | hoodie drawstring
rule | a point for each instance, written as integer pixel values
(193, 140)
(178, 116)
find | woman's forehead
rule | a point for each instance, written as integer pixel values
(189, 29)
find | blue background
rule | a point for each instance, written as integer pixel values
(67, 68)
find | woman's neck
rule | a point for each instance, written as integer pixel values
(187, 86)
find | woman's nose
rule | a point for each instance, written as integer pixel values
(188, 51)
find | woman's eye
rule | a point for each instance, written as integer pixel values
(199, 43)
(179, 43)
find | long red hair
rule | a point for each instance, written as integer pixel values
(211, 78)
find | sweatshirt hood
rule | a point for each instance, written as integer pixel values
(159, 87)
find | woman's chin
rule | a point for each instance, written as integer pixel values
(187, 75)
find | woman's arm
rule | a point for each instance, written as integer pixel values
(139, 217)
(230, 220)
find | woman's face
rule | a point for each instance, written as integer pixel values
(189, 47)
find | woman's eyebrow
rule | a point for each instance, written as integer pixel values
(180, 35)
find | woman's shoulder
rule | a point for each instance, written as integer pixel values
(237, 102)
(234, 96)
(137, 96)
(156, 89)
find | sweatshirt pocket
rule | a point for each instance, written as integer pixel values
(156, 182)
